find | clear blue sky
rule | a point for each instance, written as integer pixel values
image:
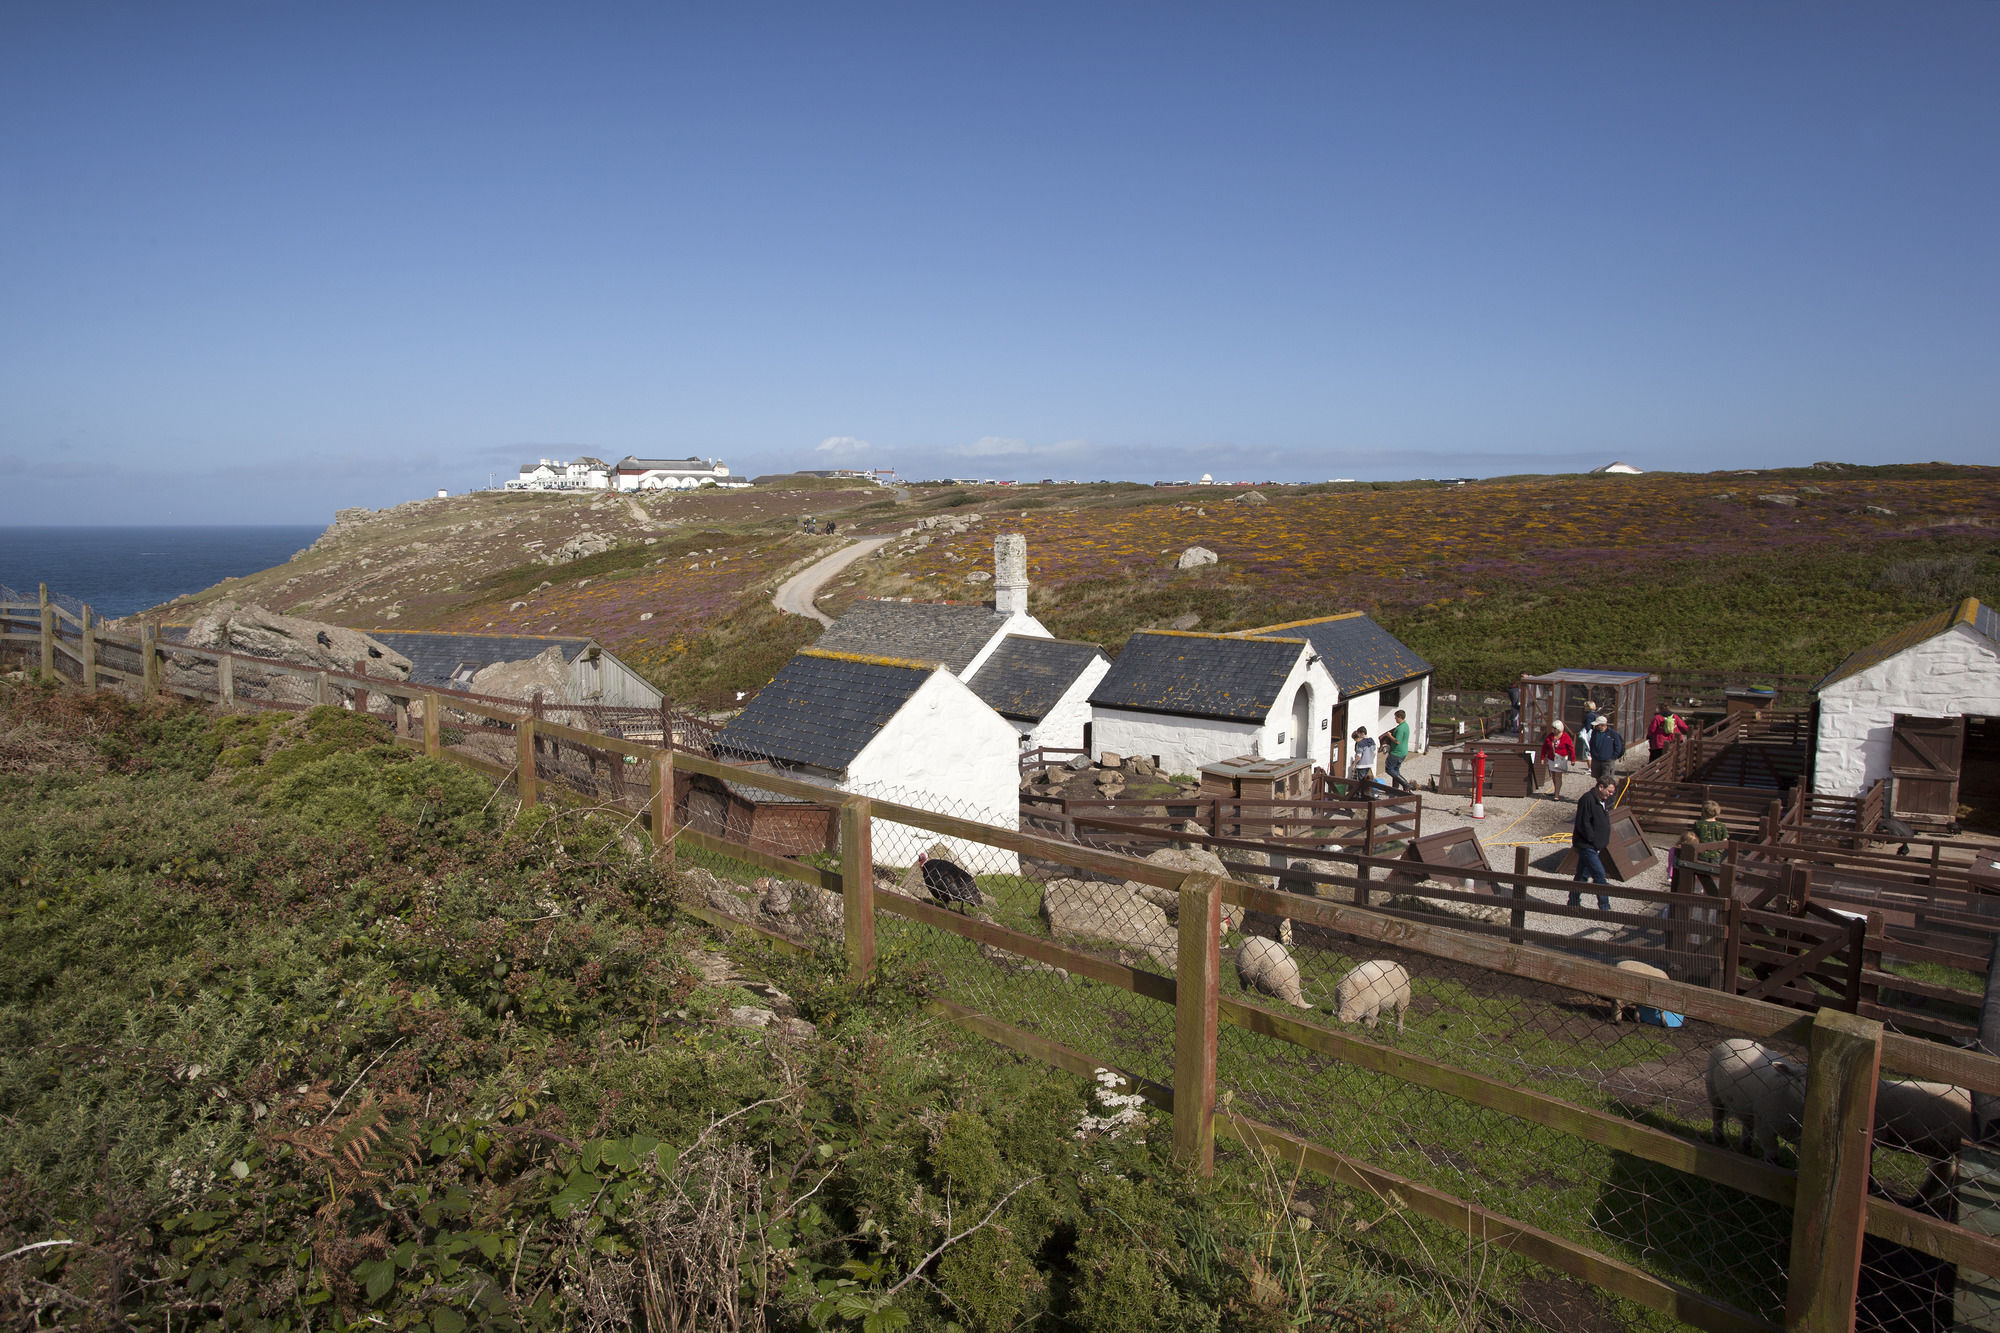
(258, 260)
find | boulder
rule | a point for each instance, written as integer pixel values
(1878, 511)
(1082, 909)
(546, 672)
(1195, 557)
(1190, 620)
(1183, 858)
(1253, 498)
(1779, 501)
(577, 547)
(260, 632)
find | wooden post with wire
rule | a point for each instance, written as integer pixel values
(1835, 1138)
(660, 803)
(1517, 920)
(857, 883)
(89, 649)
(1197, 995)
(225, 676)
(433, 726)
(48, 633)
(524, 761)
(149, 661)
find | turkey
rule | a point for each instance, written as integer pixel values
(948, 883)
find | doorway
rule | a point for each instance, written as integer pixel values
(1979, 776)
(1302, 721)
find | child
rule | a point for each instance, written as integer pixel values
(1364, 762)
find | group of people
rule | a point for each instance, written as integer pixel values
(1394, 747)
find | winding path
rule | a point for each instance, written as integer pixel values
(797, 594)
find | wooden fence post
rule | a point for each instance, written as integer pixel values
(321, 689)
(1517, 921)
(857, 884)
(433, 726)
(660, 802)
(1836, 1134)
(89, 646)
(48, 633)
(360, 693)
(149, 661)
(1197, 998)
(524, 761)
(225, 677)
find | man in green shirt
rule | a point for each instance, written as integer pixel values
(1710, 828)
(1397, 744)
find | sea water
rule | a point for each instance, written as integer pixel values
(121, 570)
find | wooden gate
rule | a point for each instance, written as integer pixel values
(1924, 758)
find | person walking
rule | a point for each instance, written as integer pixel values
(1660, 734)
(1558, 752)
(1363, 771)
(1590, 836)
(1606, 747)
(1397, 747)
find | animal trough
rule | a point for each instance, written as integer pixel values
(1627, 856)
(1510, 770)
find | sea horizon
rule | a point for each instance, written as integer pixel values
(118, 569)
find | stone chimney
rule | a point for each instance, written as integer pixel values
(1010, 573)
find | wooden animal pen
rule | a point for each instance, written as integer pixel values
(1250, 779)
(1626, 695)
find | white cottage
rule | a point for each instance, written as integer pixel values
(1376, 673)
(902, 730)
(1192, 699)
(1042, 686)
(1921, 707)
(960, 636)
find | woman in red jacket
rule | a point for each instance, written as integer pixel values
(1558, 753)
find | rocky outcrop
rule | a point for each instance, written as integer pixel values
(576, 548)
(1082, 909)
(546, 672)
(259, 632)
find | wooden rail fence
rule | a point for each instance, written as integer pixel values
(1827, 1195)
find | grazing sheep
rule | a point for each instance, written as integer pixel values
(1370, 989)
(1269, 967)
(1764, 1090)
(1637, 968)
(1928, 1118)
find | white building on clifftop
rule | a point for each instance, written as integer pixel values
(671, 474)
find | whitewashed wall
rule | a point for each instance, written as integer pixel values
(945, 749)
(1958, 672)
(1183, 744)
(1274, 738)
(1062, 725)
(1369, 710)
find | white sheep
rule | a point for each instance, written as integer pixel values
(1928, 1118)
(1370, 989)
(1269, 967)
(1758, 1086)
(1637, 968)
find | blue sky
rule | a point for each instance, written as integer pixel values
(261, 260)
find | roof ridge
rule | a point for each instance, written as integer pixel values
(872, 659)
(1263, 630)
(1967, 612)
(1198, 634)
(1050, 638)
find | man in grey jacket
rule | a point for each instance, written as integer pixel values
(1591, 836)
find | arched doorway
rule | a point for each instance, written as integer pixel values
(1302, 720)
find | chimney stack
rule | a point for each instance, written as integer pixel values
(1010, 573)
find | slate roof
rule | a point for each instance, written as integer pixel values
(1027, 676)
(1983, 619)
(1199, 675)
(1359, 654)
(823, 708)
(436, 655)
(918, 631)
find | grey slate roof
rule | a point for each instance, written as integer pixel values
(918, 631)
(1359, 654)
(1026, 676)
(1198, 675)
(823, 708)
(435, 655)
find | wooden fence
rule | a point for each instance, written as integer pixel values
(1831, 1208)
(1286, 827)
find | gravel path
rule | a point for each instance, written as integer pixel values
(798, 593)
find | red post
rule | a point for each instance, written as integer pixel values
(1479, 784)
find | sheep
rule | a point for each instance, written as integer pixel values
(1761, 1088)
(1370, 989)
(1637, 968)
(1928, 1118)
(1269, 967)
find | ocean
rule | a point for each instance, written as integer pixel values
(121, 570)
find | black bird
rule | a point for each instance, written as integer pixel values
(948, 883)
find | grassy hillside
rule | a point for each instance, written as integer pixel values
(301, 1031)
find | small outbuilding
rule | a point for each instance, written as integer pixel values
(904, 730)
(1189, 700)
(1626, 695)
(1376, 674)
(1043, 687)
(1921, 707)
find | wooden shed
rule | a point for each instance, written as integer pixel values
(1626, 695)
(1262, 784)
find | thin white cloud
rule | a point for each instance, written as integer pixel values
(1007, 446)
(841, 445)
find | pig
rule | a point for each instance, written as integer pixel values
(1370, 989)
(1268, 966)
(1758, 1086)
(1633, 965)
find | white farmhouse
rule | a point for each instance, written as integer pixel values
(1192, 699)
(900, 730)
(1042, 686)
(1921, 707)
(1376, 672)
(961, 636)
